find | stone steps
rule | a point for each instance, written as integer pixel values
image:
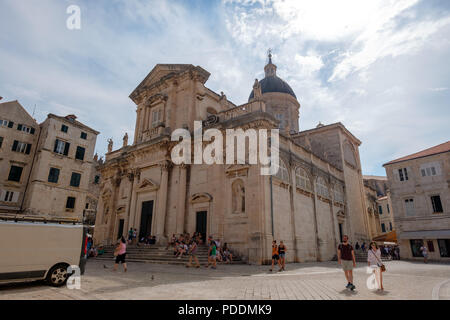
(158, 254)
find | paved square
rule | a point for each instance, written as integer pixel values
(321, 281)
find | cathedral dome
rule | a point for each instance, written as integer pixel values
(272, 83)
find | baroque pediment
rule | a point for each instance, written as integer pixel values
(148, 185)
(237, 170)
(201, 197)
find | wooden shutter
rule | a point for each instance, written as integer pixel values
(66, 148)
(56, 145)
(14, 147)
(27, 151)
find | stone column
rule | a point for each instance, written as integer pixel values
(316, 228)
(181, 205)
(162, 203)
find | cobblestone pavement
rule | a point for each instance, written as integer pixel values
(403, 280)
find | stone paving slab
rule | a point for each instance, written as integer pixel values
(301, 281)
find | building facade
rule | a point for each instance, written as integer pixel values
(382, 203)
(52, 161)
(316, 196)
(419, 185)
(19, 134)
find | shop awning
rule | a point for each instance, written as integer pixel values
(387, 237)
(425, 234)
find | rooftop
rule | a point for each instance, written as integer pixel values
(441, 148)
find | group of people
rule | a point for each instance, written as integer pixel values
(91, 250)
(346, 258)
(187, 245)
(278, 255)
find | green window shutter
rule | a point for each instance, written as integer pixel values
(15, 143)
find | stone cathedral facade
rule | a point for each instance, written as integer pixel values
(316, 196)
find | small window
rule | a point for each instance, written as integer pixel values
(403, 174)
(70, 204)
(11, 196)
(388, 210)
(156, 118)
(87, 205)
(75, 180)
(83, 135)
(390, 226)
(409, 207)
(21, 147)
(437, 204)
(15, 173)
(1, 141)
(80, 153)
(61, 147)
(97, 179)
(53, 175)
(380, 209)
(383, 227)
(6, 123)
(25, 129)
(64, 128)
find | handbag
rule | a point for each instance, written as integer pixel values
(383, 267)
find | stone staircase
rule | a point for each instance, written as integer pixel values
(158, 254)
(362, 256)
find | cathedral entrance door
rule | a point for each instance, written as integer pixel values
(340, 232)
(200, 225)
(120, 233)
(146, 219)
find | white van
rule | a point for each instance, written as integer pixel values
(38, 250)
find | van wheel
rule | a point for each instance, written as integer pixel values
(57, 276)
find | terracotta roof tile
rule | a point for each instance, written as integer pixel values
(441, 148)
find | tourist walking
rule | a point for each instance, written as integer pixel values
(212, 254)
(193, 255)
(120, 253)
(424, 251)
(346, 258)
(130, 236)
(374, 262)
(282, 254)
(275, 256)
(363, 247)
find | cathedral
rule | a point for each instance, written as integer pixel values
(315, 198)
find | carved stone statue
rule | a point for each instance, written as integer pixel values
(257, 93)
(110, 145)
(125, 139)
(238, 197)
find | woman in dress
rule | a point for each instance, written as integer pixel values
(374, 262)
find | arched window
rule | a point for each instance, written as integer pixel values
(302, 180)
(283, 172)
(339, 193)
(321, 188)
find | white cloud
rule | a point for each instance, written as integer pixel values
(309, 64)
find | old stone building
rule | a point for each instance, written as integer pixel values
(316, 196)
(372, 212)
(420, 195)
(18, 140)
(383, 205)
(46, 169)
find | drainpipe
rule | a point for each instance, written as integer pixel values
(31, 169)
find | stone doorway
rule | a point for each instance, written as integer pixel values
(201, 224)
(146, 219)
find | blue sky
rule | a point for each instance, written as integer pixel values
(380, 67)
